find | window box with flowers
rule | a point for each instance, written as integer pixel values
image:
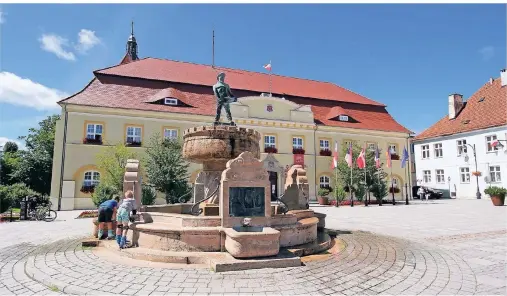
(133, 144)
(396, 190)
(325, 152)
(477, 174)
(93, 141)
(298, 151)
(395, 157)
(270, 149)
(87, 188)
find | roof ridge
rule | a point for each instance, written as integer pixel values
(77, 93)
(119, 65)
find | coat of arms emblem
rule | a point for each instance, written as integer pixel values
(269, 108)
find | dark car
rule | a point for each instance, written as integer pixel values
(434, 193)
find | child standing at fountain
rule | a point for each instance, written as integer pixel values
(128, 205)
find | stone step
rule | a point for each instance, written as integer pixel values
(323, 243)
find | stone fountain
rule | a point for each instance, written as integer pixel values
(238, 220)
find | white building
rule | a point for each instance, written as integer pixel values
(443, 153)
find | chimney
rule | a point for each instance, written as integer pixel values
(503, 77)
(491, 80)
(455, 105)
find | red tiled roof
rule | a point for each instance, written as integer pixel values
(113, 92)
(491, 112)
(183, 72)
(335, 112)
(169, 93)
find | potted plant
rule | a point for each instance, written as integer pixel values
(323, 196)
(298, 151)
(497, 195)
(270, 149)
(325, 152)
(339, 195)
(395, 157)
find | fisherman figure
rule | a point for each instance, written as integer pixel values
(224, 97)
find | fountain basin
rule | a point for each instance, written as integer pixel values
(258, 242)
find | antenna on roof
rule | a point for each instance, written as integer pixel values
(213, 52)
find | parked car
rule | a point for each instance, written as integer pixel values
(434, 193)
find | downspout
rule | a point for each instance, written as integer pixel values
(315, 161)
(62, 165)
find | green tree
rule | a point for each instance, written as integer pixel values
(111, 163)
(10, 147)
(103, 192)
(11, 195)
(35, 166)
(166, 168)
(9, 162)
(149, 195)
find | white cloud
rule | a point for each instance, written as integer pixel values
(55, 44)
(487, 52)
(86, 40)
(4, 140)
(2, 17)
(20, 91)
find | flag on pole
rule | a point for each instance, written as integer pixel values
(348, 156)
(388, 154)
(335, 155)
(268, 66)
(404, 158)
(361, 161)
(377, 158)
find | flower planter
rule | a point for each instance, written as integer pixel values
(395, 157)
(298, 151)
(325, 152)
(270, 150)
(323, 200)
(498, 201)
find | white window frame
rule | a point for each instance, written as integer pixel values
(427, 176)
(170, 133)
(91, 178)
(171, 101)
(371, 146)
(425, 151)
(91, 134)
(296, 145)
(324, 145)
(464, 175)
(343, 118)
(495, 174)
(133, 136)
(269, 141)
(489, 140)
(393, 148)
(440, 176)
(461, 146)
(438, 150)
(324, 181)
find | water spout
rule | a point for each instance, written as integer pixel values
(246, 222)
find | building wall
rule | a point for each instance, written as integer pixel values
(284, 121)
(451, 162)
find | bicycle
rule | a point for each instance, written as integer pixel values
(43, 213)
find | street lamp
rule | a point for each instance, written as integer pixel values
(449, 182)
(478, 194)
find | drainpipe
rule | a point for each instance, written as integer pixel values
(62, 165)
(314, 162)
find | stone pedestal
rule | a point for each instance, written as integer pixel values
(249, 242)
(132, 179)
(296, 195)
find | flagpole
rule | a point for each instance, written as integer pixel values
(365, 187)
(350, 187)
(270, 73)
(392, 184)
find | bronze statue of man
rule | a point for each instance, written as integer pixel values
(224, 97)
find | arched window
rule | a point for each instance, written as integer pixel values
(91, 178)
(324, 182)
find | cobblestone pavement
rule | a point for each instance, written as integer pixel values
(447, 263)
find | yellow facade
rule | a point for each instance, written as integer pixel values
(285, 121)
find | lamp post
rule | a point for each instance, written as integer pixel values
(478, 194)
(449, 182)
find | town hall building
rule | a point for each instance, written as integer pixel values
(299, 121)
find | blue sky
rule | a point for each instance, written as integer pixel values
(409, 57)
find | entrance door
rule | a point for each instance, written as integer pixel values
(273, 180)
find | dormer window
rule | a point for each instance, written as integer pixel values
(343, 118)
(170, 101)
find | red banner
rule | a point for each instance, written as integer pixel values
(299, 159)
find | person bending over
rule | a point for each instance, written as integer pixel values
(107, 210)
(128, 205)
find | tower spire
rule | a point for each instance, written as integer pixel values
(132, 45)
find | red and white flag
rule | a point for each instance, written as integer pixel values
(361, 161)
(335, 155)
(268, 66)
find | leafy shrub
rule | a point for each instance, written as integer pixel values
(360, 192)
(10, 196)
(379, 190)
(323, 192)
(496, 191)
(102, 193)
(339, 195)
(149, 195)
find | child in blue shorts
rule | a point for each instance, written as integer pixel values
(127, 205)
